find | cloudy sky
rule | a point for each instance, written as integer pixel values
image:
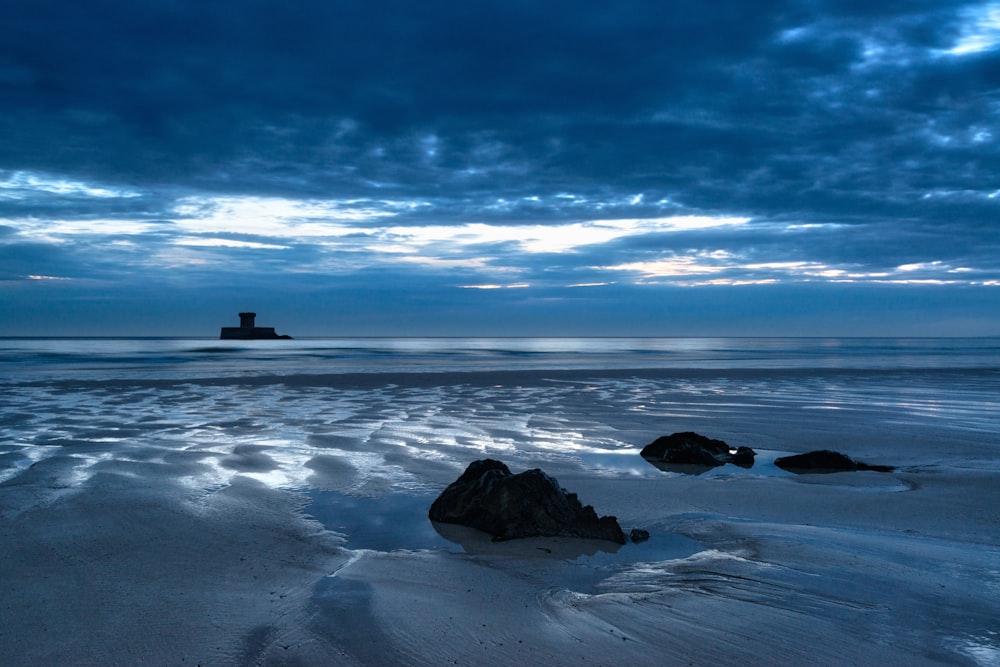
(392, 167)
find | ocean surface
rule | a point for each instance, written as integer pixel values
(100, 436)
(358, 420)
(178, 358)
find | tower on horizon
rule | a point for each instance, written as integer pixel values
(248, 330)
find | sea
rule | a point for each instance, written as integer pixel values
(168, 474)
(390, 421)
(28, 359)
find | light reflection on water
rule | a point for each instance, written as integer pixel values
(984, 651)
(174, 358)
(377, 434)
(366, 455)
(393, 436)
(385, 523)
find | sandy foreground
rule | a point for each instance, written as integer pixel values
(303, 539)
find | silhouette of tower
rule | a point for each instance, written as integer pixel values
(248, 330)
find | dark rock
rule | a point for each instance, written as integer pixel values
(638, 535)
(490, 498)
(694, 449)
(743, 457)
(825, 461)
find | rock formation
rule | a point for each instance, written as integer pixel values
(694, 449)
(638, 535)
(825, 461)
(490, 498)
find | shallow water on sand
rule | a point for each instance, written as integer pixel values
(370, 434)
(398, 522)
(356, 438)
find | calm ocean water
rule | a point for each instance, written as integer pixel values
(211, 440)
(177, 358)
(354, 423)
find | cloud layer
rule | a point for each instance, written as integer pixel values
(574, 151)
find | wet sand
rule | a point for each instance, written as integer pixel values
(283, 521)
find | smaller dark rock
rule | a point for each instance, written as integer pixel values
(689, 448)
(825, 461)
(638, 535)
(743, 457)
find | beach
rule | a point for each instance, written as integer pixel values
(239, 506)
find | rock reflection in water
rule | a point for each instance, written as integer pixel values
(565, 548)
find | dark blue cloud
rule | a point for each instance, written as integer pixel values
(241, 143)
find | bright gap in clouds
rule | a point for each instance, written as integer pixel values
(981, 32)
(353, 234)
(60, 231)
(26, 184)
(723, 268)
(490, 286)
(553, 238)
(275, 216)
(227, 243)
(284, 218)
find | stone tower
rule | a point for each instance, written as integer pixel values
(248, 330)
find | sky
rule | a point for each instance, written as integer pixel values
(392, 167)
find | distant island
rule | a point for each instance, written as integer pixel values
(249, 331)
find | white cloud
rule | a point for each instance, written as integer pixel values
(276, 216)
(345, 235)
(678, 270)
(444, 263)
(919, 266)
(667, 268)
(552, 238)
(27, 184)
(54, 231)
(227, 243)
(981, 31)
(490, 286)
(726, 282)
(357, 225)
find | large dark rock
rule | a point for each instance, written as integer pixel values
(694, 449)
(825, 461)
(490, 498)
